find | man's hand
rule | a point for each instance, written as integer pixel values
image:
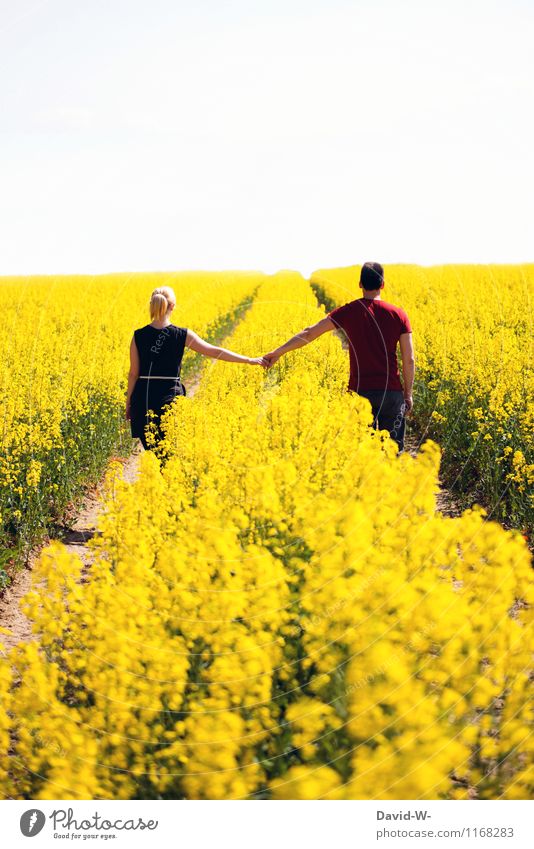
(258, 361)
(271, 358)
(408, 405)
(127, 414)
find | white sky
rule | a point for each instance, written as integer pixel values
(171, 134)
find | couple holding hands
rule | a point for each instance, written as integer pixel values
(372, 326)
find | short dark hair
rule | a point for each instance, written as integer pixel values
(371, 275)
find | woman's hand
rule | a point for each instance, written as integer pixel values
(257, 361)
(127, 414)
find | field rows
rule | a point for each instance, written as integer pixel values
(474, 389)
(276, 610)
(63, 379)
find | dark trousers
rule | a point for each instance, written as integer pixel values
(388, 412)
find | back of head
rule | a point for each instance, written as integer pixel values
(161, 301)
(371, 276)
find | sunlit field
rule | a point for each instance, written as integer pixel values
(63, 378)
(275, 608)
(473, 329)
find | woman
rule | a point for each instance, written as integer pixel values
(156, 352)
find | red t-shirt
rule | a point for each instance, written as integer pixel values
(373, 329)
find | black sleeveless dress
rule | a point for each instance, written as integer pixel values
(160, 355)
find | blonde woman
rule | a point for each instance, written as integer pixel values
(156, 352)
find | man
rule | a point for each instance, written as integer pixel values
(373, 329)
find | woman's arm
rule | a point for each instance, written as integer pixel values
(197, 344)
(133, 374)
(309, 334)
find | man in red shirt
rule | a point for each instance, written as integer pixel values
(373, 329)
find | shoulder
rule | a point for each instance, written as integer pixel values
(140, 331)
(400, 315)
(168, 330)
(393, 308)
(343, 312)
(403, 315)
(180, 335)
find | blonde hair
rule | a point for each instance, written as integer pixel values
(160, 301)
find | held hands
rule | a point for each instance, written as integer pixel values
(267, 361)
(271, 358)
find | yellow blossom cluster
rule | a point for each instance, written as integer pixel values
(64, 357)
(276, 610)
(474, 390)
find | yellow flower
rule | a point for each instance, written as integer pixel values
(307, 782)
(277, 608)
(33, 475)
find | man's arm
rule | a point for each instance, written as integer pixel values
(309, 334)
(408, 368)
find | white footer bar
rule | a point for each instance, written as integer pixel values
(269, 824)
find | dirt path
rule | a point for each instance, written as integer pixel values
(75, 538)
(83, 526)
(445, 502)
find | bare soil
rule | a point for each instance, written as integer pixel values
(80, 528)
(445, 502)
(75, 537)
